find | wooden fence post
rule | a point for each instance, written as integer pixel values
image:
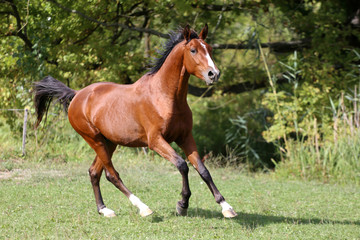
(26, 111)
(145, 150)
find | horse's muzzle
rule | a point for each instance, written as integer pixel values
(213, 77)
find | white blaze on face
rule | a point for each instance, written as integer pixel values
(210, 61)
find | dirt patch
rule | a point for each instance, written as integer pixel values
(23, 174)
(16, 174)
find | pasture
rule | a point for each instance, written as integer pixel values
(55, 201)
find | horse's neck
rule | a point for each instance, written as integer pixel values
(173, 77)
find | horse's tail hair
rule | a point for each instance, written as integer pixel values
(48, 89)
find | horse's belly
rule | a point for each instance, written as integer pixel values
(125, 133)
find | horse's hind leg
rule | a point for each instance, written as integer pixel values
(95, 172)
(104, 150)
(113, 176)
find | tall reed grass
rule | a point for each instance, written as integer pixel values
(326, 151)
(332, 158)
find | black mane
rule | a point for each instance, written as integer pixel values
(174, 39)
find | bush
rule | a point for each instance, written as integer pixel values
(229, 129)
(316, 138)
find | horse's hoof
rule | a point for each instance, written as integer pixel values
(107, 212)
(180, 210)
(146, 212)
(230, 213)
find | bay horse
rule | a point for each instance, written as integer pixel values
(152, 112)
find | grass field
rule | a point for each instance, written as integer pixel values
(55, 201)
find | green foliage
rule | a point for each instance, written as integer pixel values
(227, 126)
(327, 154)
(211, 119)
(249, 147)
(317, 146)
(297, 104)
(237, 135)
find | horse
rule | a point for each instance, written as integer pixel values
(152, 112)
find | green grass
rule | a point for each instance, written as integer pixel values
(47, 195)
(55, 201)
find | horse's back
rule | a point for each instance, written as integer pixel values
(92, 97)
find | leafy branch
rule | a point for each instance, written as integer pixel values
(280, 46)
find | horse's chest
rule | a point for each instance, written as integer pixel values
(177, 126)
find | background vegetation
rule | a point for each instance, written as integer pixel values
(288, 97)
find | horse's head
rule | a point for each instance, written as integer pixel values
(197, 57)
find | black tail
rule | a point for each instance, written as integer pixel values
(46, 90)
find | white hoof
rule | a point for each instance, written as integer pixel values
(107, 212)
(144, 209)
(229, 213)
(227, 210)
(146, 212)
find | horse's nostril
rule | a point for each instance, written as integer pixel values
(211, 74)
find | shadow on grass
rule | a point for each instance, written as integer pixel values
(156, 218)
(254, 220)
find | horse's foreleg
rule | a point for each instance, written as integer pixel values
(166, 151)
(189, 147)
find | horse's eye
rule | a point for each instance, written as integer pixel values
(193, 50)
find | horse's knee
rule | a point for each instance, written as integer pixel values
(112, 177)
(109, 177)
(94, 176)
(182, 166)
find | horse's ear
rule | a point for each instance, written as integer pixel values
(204, 32)
(186, 32)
